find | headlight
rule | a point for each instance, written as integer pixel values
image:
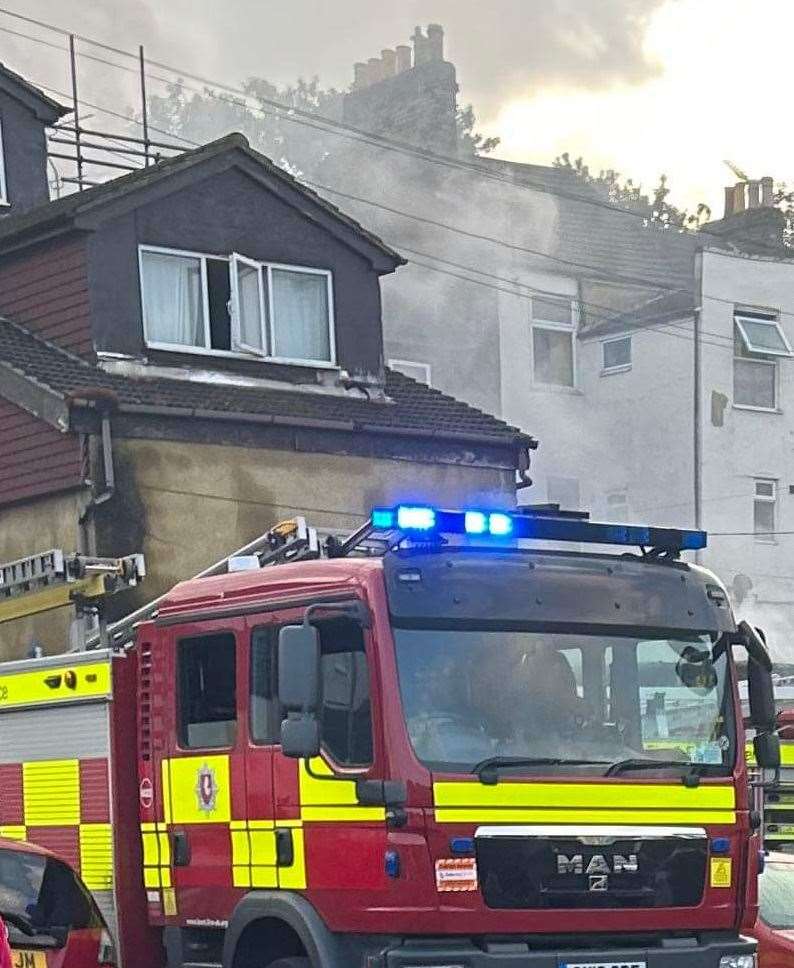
(738, 961)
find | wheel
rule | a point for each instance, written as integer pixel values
(290, 963)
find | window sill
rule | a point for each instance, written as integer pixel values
(4, 203)
(232, 355)
(747, 407)
(612, 370)
(557, 388)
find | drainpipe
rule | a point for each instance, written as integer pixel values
(697, 417)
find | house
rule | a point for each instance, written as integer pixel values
(194, 351)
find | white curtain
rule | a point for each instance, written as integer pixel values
(172, 301)
(300, 311)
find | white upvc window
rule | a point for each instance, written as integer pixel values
(616, 354)
(233, 305)
(759, 343)
(415, 370)
(3, 185)
(553, 341)
(764, 509)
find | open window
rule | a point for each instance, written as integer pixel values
(762, 335)
(759, 344)
(248, 306)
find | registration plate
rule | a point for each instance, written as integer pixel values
(28, 959)
(603, 964)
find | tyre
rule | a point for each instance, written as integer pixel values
(290, 963)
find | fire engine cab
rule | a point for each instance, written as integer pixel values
(431, 744)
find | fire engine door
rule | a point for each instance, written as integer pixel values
(203, 775)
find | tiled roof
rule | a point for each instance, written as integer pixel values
(63, 210)
(413, 408)
(10, 79)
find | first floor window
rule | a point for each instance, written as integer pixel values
(236, 304)
(552, 341)
(758, 343)
(764, 509)
(616, 353)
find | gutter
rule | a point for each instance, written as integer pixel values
(518, 439)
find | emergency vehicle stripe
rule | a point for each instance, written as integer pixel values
(50, 684)
(96, 856)
(51, 791)
(331, 799)
(623, 803)
(253, 853)
(156, 855)
(14, 833)
(786, 754)
(184, 801)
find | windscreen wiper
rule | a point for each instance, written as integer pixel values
(488, 770)
(690, 779)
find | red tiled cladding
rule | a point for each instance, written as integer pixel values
(63, 841)
(94, 791)
(11, 804)
(47, 291)
(35, 458)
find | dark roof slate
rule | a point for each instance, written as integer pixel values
(413, 407)
(665, 307)
(63, 211)
(21, 88)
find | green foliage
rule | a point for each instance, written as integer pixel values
(626, 194)
(471, 142)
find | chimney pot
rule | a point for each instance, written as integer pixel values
(435, 42)
(739, 203)
(421, 48)
(389, 62)
(753, 194)
(360, 76)
(767, 192)
(403, 53)
(375, 66)
(729, 200)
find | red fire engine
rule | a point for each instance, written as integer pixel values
(428, 745)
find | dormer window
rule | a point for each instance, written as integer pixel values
(236, 306)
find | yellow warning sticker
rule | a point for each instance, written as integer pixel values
(721, 870)
(169, 902)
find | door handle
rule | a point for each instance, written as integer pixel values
(180, 848)
(285, 851)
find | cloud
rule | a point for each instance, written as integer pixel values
(503, 50)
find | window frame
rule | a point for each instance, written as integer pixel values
(764, 537)
(395, 364)
(180, 734)
(570, 328)
(740, 319)
(618, 367)
(207, 349)
(4, 200)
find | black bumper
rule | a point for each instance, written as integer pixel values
(673, 954)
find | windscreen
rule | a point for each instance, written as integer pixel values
(776, 889)
(472, 695)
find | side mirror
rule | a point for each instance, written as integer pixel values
(299, 668)
(299, 689)
(300, 736)
(766, 747)
(761, 692)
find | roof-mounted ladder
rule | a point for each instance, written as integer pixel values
(52, 579)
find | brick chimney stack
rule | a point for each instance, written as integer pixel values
(751, 221)
(408, 93)
(747, 195)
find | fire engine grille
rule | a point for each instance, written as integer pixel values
(579, 871)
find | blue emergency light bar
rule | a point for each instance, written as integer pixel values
(542, 524)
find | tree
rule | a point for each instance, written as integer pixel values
(660, 213)
(277, 121)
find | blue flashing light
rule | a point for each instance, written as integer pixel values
(721, 845)
(475, 522)
(693, 540)
(391, 863)
(500, 525)
(411, 518)
(462, 845)
(383, 518)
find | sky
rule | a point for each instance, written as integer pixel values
(641, 86)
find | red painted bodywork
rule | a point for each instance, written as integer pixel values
(775, 946)
(82, 947)
(348, 885)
